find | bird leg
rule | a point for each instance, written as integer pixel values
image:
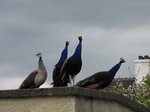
(70, 80)
(73, 82)
(73, 79)
(63, 76)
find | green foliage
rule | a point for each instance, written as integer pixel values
(138, 92)
(147, 80)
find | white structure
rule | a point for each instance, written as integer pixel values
(142, 67)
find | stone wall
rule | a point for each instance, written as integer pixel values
(69, 99)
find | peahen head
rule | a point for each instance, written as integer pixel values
(40, 63)
(39, 55)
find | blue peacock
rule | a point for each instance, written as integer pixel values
(56, 71)
(72, 66)
(100, 80)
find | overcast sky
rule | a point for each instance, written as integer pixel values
(111, 29)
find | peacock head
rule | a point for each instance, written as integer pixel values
(67, 43)
(39, 54)
(80, 38)
(122, 60)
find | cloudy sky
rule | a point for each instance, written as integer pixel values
(111, 29)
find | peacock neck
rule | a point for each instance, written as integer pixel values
(63, 57)
(114, 69)
(77, 55)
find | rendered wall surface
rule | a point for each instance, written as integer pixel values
(38, 104)
(96, 105)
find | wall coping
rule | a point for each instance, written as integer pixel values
(72, 91)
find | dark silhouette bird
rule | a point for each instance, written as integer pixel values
(100, 80)
(56, 71)
(72, 65)
(36, 78)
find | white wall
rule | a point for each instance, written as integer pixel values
(142, 68)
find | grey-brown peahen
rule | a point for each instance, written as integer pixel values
(36, 78)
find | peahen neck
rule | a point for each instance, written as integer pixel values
(63, 57)
(41, 64)
(114, 69)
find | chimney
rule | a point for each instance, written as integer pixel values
(142, 67)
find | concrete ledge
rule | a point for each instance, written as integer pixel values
(75, 92)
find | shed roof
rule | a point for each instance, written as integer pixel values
(126, 82)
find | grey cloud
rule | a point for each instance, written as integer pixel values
(96, 13)
(110, 30)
